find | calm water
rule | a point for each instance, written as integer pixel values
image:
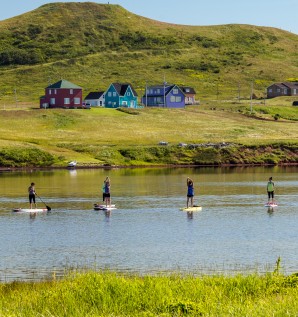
(148, 233)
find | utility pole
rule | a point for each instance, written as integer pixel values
(15, 97)
(251, 93)
(146, 97)
(164, 91)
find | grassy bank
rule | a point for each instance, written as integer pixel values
(110, 294)
(211, 134)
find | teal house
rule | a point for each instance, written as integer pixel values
(121, 95)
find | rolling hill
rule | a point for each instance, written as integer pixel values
(93, 45)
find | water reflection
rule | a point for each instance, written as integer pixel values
(148, 233)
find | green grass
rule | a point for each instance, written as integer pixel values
(111, 294)
(108, 136)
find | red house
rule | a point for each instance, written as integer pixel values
(62, 94)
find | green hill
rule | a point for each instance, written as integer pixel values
(93, 45)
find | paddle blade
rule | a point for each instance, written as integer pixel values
(48, 208)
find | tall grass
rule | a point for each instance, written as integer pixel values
(111, 294)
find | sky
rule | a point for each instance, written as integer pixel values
(272, 13)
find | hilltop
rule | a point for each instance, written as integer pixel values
(93, 45)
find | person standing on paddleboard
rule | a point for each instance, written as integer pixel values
(107, 193)
(270, 191)
(32, 194)
(190, 192)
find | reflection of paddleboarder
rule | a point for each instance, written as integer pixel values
(190, 192)
(270, 191)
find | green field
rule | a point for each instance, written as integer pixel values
(131, 136)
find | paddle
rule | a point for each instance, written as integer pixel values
(48, 208)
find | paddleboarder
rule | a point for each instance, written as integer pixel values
(270, 190)
(107, 192)
(32, 194)
(190, 192)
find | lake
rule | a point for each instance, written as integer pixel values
(147, 233)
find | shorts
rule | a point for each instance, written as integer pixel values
(270, 195)
(31, 198)
(189, 196)
(107, 195)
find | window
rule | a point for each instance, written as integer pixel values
(66, 101)
(187, 90)
(71, 91)
(55, 91)
(52, 101)
(278, 90)
(114, 94)
(158, 91)
(295, 91)
(159, 100)
(178, 99)
(270, 90)
(128, 93)
(77, 101)
(50, 91)
(175, 91)
(109, 94)
(172, 98)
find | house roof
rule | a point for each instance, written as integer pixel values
(167, 88)
(187, 90)
(94, 95)
(291, 84)
(121, 88)
(286, 84)
(64, 84)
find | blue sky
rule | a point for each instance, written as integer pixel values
(275, 13)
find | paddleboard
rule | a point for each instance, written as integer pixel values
(108, 208)
(103, 207)
(191, 209)
(271, 205)
(29, 210)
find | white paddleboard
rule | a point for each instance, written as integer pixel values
(29, 210)
(191, 209)
(103, 207)
(108, 208)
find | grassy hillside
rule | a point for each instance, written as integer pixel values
(93, 45)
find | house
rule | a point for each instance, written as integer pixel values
(165, 96)
(282, 89)
(121, 95)
(189, 94)
(95, 99)
(62, 94)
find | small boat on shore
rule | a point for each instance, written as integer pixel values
(72, 164)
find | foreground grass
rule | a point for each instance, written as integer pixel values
(111, 294)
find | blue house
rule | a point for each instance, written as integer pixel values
(165, 96)
(121, 95)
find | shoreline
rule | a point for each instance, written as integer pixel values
(27, 168)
